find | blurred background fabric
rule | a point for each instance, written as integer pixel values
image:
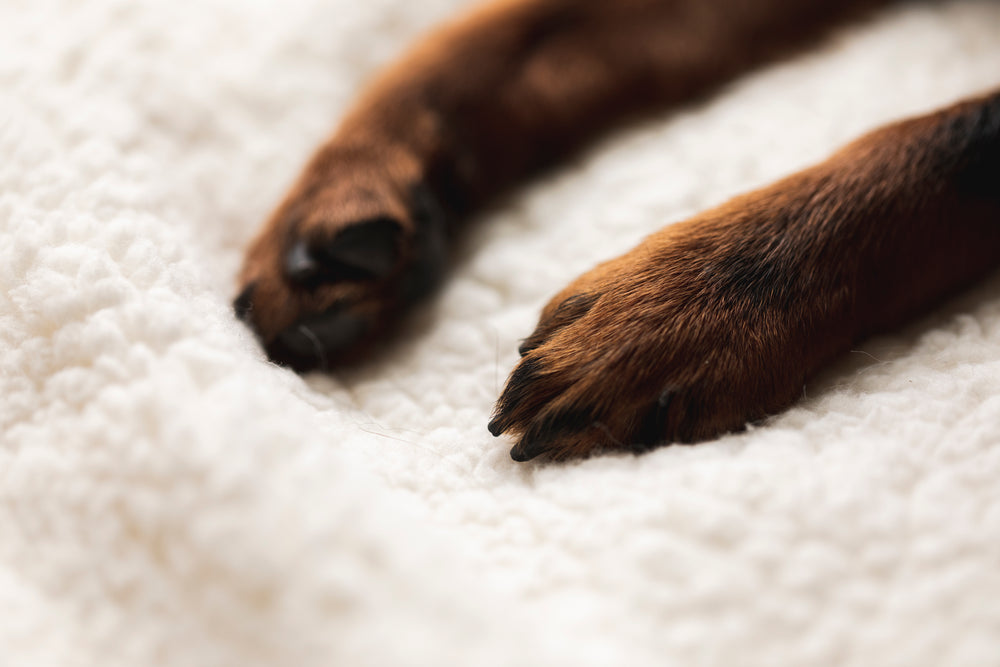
(167, 497)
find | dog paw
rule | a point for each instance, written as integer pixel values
(358, 240)
(704, 327)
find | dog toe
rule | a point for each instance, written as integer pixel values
(569, 310)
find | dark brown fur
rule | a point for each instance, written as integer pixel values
(709, 323)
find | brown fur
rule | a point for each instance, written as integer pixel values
(489, 99)
(719, 320)
(707, 324)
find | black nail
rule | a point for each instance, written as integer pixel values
(317, 342)
(525, 451)
(364, 250)
(496, 427)
(243, 304)
(300, 264)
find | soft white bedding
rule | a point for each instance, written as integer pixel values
(167, 497)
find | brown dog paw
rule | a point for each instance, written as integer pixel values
(358, 239)
(718, 321)
(706, 326)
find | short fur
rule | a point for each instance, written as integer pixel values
(707, 325)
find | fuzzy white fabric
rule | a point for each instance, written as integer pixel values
(167, 497)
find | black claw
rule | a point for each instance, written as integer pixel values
(525, 451)
(539, 436)
(518, 384)
(300, 264)
(496, 427)
(243, 303)
(363, 251)
(317, 342)
(519, 388)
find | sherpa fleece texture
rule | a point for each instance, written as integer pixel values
(168, 497)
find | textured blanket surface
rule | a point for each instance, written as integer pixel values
(167, 497)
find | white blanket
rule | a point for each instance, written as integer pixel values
(167, 497)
